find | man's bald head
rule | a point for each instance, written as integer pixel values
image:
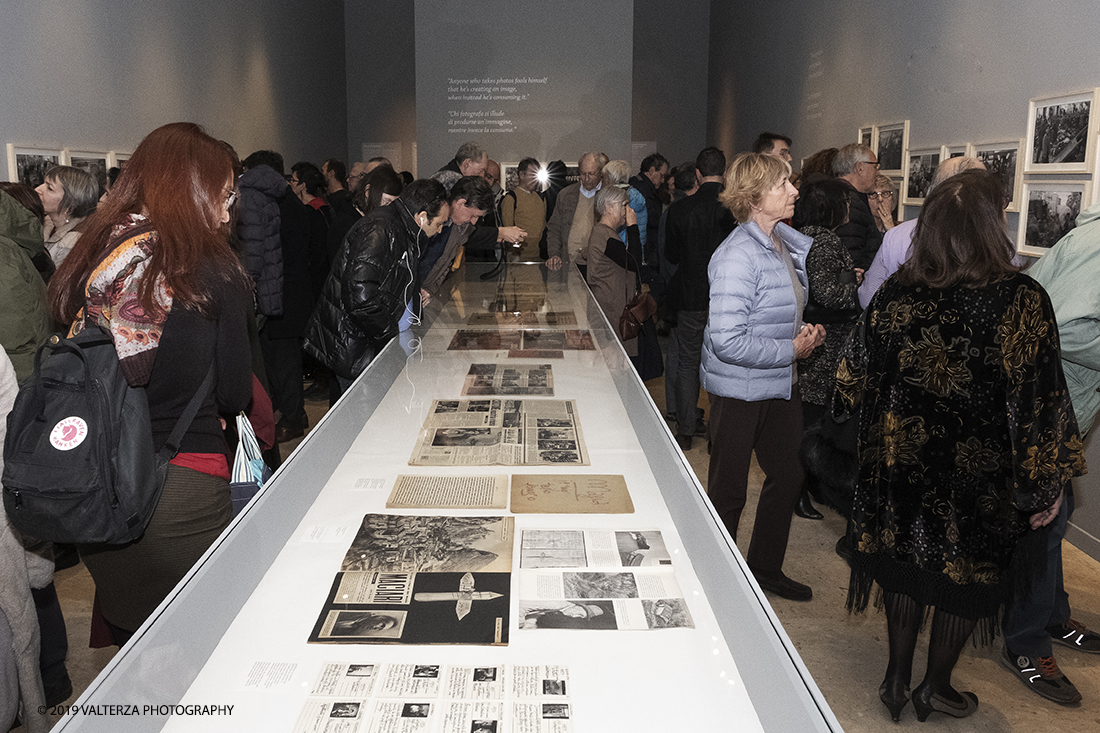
(953, 167)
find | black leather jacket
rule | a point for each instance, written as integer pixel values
(372, 279)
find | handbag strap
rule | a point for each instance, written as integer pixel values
(172, 447)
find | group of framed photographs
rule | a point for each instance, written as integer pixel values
(1062, 134)
(29, 164)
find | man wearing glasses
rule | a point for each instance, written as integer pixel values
(857, 165)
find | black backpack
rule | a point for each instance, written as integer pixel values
(79, 464)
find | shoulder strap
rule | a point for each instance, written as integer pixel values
(172, 447)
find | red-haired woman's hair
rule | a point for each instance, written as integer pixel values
(177, 177)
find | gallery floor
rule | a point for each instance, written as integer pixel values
(846, 654)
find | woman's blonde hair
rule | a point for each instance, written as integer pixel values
(747, 178)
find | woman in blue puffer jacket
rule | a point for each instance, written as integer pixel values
(754, 336)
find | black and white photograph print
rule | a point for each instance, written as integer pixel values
(351, 625)
(893, 143)
(95, 164)
(468, 437)
(577, 614)
(416, 710)
(667, 613)
(426, 671)
(921, 167)
(29, 165)
(553, 687)
(1061, 133)
(559, 456)
(360, 670)
(1002, 159)
(485, 674)
(345, 710)
(483, 726)
(1049, 210)
(555, 710)
(638, 549)
(599, 585)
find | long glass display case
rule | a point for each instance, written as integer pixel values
(229, 649)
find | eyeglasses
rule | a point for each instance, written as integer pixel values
(867, 162)
(230, 199)
(880, 194)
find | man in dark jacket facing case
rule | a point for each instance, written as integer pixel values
(373, 280)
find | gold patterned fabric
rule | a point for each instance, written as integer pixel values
(965, 429)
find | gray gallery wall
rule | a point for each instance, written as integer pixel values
(100, 74)
(669, 82)
(959, 70)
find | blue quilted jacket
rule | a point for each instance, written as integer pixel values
(748, 348)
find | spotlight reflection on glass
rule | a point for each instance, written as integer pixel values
(543, 176)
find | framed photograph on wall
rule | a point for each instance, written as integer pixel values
(891, 147)
(94, 163)
(868, 136)
(1061, 133)
(1003, 160)
(920, 167)
(953, 151)
(29, 165)
(509, 176)
(1048, 210)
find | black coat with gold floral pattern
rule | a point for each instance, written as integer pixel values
(965, 428)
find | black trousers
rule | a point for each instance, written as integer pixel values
(773, 429)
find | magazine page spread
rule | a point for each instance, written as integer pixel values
(501, 432)
(421, 580)
(598, 579)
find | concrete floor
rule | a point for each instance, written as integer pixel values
(846, 654)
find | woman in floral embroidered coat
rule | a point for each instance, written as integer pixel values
(966, 435)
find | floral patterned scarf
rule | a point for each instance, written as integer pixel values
(111, 299)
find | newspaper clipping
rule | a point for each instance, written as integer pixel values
(524, 380)
(421, 580)
(598, 579)
(435, 698)
(501, 433)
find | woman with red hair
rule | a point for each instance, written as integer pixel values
(154, 268)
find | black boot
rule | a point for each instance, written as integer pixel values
(805, 508)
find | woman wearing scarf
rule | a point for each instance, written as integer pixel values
(155, 269)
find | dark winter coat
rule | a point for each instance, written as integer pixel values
(258, 227)
(366, 292)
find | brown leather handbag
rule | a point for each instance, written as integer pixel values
(638, 310)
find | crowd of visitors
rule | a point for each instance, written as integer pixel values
(968, 382)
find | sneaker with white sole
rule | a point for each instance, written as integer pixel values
(1077, 636)
(1042, 676)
